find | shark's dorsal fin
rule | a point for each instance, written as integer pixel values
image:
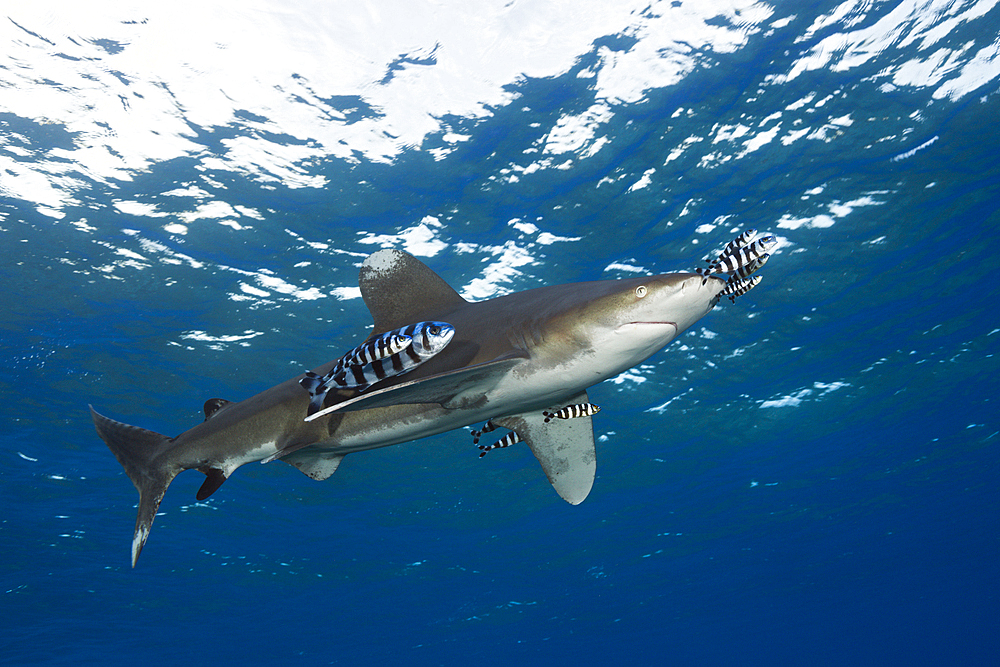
(399, 289)
(213, 405)
(564, 447)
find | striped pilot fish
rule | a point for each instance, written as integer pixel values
(743, 239)
(478, 433)
(512, 438)
(742, 256)
(572, 412)
(744, 259)
(735, 288)
(374, 349)
(749, 269)
(386, 355)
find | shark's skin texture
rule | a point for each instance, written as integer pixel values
(512, 359)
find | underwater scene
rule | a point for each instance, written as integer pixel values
(593, 431)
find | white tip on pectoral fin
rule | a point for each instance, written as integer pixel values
(564, 447)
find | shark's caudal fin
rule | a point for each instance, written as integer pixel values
(137, 450)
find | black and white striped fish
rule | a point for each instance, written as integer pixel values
(740, 287)
(511, 438)
(740, 257)
(373, 349)
(572, 412)
(487, 427)
(376, 347)
(740, 241)
(749, 269)
(743, 239)
(416, 344)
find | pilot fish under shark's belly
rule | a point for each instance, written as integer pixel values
(522, 362)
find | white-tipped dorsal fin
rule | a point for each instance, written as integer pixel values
(399, 290)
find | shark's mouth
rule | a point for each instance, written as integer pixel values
(649, 323)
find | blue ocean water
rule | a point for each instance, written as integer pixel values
(807, 476)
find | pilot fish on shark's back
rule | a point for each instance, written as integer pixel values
(386, 355)
(522, 361)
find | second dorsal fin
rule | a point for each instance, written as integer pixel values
(213, 405)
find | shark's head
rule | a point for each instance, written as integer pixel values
(631, 319)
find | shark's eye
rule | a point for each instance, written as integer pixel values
(640, 291)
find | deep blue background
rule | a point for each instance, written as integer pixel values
(821, 487)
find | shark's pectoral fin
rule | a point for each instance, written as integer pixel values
(313, 463)
(214, 478)
(564, 447)
(455, 389)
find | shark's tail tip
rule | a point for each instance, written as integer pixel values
(139, 540)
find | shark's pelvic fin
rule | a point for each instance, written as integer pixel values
(398, 289)
(314, 464)
(138, 450)
(564, 447)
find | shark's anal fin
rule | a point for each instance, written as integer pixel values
(214, 478)
(564, 447)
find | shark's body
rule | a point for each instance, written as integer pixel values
(512, 359)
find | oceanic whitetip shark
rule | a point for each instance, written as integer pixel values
(514, 361)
